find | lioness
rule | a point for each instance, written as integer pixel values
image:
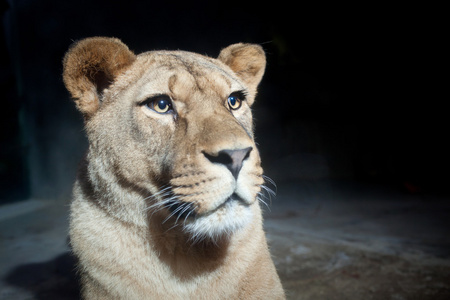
(166, 201)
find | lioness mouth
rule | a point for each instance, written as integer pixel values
(186, 210)
(234, 197)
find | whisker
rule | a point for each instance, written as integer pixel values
(185, 218)
(163, 204)
(182, 206)
(266, 193)
(164, 190)
(264, 202)
(159, 203)
(174, 225)
(268, 190)
(268, 179)
(197, 238)
(263, 194)
(153, 206)
(188, 206)
(260, 199)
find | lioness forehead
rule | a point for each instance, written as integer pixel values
(182, 73)
(195, 63)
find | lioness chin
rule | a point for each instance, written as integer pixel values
(166, 200)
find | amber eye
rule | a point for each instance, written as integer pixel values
(160, 104)
(235, 101)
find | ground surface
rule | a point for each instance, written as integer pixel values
(344, 241)
(329, 240)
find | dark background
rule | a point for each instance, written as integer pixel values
(351, 92)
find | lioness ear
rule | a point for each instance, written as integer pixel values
(248, 61)
(90, 66)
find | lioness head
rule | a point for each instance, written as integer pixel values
(172, 128)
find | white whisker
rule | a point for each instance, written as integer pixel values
(185, 218)
(174, 225)
(264, 202)
(182, 206)
(159, 204)
(187, 206)
(269, 180)
(159, 193)
(268, 190)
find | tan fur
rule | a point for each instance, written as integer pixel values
(157, 212)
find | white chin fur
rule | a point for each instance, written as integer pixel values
(222, 222)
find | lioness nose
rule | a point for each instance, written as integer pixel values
(232, 159)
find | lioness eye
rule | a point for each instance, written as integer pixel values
(160, 104)
(235, 100)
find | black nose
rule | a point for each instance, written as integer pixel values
(232, 159)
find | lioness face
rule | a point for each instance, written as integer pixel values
(177, 126)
